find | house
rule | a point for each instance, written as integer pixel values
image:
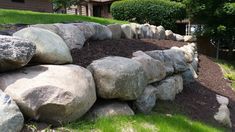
(33, 5)
(97, 8)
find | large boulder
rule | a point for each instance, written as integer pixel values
(147, 100)
(168, 88)
(51, 93)
(179, 37)
(189, 38)
(188, 53)
(189, 75)
(161, 32)
(11, 119)
(116, 31)
(164, 58)
(118, 77)
(87, 29)
(101, 32)
(170, 35)
(135, 27)
(15, 52)
(107, 109)
(172, 58)
(127, 31)
(146, 31)
(72, 36)
(50, 48)
(154, 31)
(154, 69)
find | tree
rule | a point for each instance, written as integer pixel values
(217, 18)
(58, 4)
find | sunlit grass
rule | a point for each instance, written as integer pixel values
(228, 68)
(29, 17)
(143, 123)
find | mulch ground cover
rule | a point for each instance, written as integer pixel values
(198, 99)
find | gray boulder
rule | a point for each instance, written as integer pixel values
(170, 35)
(15, 52)
(50, 48)
(11, 119)
(73, 37)
(146, 31)
(118, 77)
(116, 31)
(87, 29)
(107, 109)
(51, 93)
(179, 37)
(189, 75)
(154, 31)
(161, 32)
(127, 31)
(154, 69)
(172, 58)
(189, 38)
(164, 58)
(168, 88)
(147, 100)
(135, 27)
(101, 32)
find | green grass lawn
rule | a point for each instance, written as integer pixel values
(29, 17)
(228, 68)
(142, 123)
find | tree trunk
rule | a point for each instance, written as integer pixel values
(217, 49)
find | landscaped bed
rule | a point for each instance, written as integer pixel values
(198, 100)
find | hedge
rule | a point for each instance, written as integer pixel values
(156, 12)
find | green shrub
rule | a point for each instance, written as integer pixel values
(156, 12)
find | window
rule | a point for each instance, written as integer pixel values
(18, 1)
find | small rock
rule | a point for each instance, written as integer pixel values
(109, 108)
(223, 116)
(222, 100)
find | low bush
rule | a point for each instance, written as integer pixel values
(156, 12)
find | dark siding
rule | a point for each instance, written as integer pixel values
(33, 5)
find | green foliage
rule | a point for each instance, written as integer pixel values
(157, 12)
(217, 18)
(228, 70)
(143, 123)
(229, 8)
(29, 17)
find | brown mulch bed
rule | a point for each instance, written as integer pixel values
(94, 50)
(198, 99)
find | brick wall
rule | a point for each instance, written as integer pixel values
(33, 5)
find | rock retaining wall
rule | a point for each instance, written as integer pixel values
(57, 94)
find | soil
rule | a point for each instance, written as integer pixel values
(198, 99)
